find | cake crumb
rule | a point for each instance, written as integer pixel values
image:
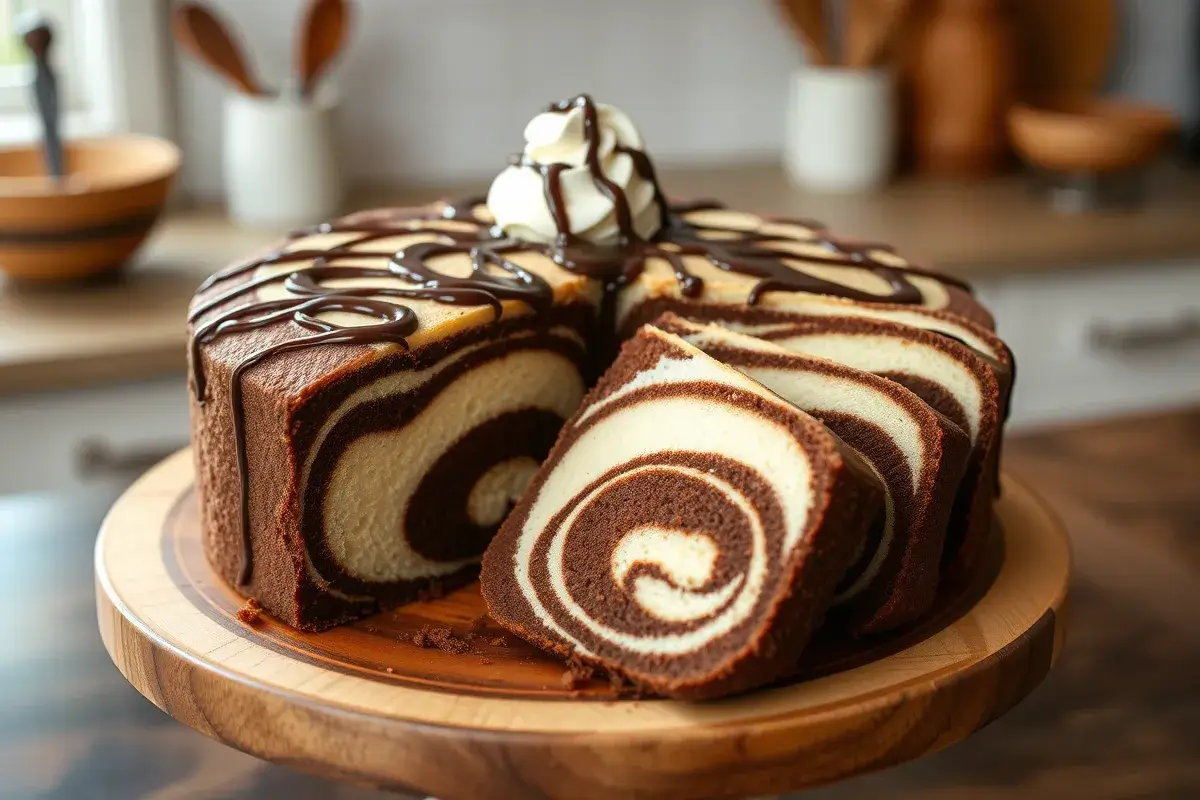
(445, 640)
(485, 661)
(421, 637)
(576, 675)
(251, 613)
(434, 591)
(389, 670)
(479, 623)
(498, 641)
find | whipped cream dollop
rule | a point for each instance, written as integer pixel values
(520, 196)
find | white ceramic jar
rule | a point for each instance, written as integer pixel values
(280, 161)
(841, 128)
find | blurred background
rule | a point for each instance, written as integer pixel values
(1041, 149)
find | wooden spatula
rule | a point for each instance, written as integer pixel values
(202, 34)
(322, 34)
(871, 30)
(807, 20)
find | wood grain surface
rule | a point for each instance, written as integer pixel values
(454, 726)
(958, 113)
(1065, 46)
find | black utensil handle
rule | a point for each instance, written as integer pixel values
(38, 35)
(45, 87)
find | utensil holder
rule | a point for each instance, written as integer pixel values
(841, 128)
(280, 161)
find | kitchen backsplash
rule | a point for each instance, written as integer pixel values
(438, 90)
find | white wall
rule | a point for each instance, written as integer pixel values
(441, 89)
(438, 90)
(1158, 57)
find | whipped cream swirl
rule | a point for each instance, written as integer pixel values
(562, 155)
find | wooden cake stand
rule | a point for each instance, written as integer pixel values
(365, 703)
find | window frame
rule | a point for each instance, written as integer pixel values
(122, 63)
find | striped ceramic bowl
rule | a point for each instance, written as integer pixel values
(89, 223)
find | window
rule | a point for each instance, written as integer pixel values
(108, 56)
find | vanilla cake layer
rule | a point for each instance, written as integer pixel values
(687, 531)
(919, 455)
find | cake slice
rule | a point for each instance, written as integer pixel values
(687, 531)
(962, 382)
(919, 454)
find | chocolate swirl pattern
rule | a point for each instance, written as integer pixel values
(307, 286)
(918, 454)
(960, 370)
(673, 522)
(392, 503)
(312, 365)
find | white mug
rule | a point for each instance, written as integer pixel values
(841, 128)
(280, 161)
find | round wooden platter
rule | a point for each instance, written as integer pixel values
(365, 703)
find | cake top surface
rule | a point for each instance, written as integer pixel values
(579, 212)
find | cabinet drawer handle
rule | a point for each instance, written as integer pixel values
(1146, 336)
(95, 458)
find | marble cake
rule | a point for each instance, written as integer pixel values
(918, 454)
(372, 397)
(688, 530)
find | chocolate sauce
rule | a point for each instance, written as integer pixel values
(308, 298)
(730, 249)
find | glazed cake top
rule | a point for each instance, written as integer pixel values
(579, 213)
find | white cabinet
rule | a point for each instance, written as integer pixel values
(1100, 342)
(63, 439)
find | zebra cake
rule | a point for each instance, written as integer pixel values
(372, 397)
(687, 531)
(963, 371)
(918, 454)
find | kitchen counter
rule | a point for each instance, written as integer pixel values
(134, 329)
(1116, 718)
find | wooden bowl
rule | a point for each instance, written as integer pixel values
(90, 223)
(1089, 135)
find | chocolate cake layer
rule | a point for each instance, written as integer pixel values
(687, 531)
(919, 454)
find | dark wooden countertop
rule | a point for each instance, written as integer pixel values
(1118, 718)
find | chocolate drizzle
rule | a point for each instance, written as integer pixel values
(308, 297)
(493, 278)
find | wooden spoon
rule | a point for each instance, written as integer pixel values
(872, 28)
(203, 35)
(323, 33)
(807, 18)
